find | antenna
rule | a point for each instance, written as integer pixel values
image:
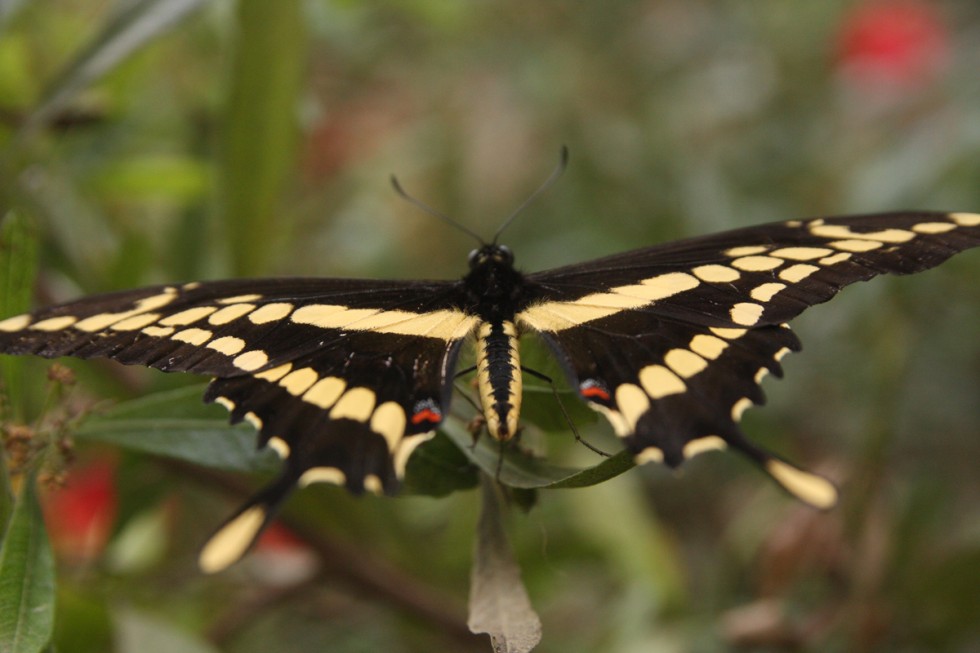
(548, 183)
(431, 211)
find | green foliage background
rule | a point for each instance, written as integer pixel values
(166, 140)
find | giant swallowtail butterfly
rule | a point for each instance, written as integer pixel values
(344, 378)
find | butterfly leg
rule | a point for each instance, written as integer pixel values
(564, 413)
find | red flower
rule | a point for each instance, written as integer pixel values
(893, 43)
(80, 515)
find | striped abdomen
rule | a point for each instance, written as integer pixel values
(498, 373)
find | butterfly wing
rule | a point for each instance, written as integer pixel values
(670, 342)
(344, 378)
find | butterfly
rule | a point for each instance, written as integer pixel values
(345, 378)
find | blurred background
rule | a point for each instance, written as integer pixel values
(151, 141)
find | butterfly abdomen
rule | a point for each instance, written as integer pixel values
(498, 367)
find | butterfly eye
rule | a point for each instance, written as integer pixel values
(504, 254)
(474, 258)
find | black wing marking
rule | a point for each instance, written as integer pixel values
(344, 378)
(670, 342)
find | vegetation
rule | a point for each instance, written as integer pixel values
(169, 140)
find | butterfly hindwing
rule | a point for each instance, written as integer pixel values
(671, 342)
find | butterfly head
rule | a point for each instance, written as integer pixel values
(491, 255)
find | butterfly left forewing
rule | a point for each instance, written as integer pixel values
(671, 342)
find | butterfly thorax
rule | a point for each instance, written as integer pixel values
(494, 287)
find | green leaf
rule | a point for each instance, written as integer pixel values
(18, 267)
(26, 578)
(260, 127)
(520, 470)
(83, 624)
(6, 494)
(176, 424)
(438, 468)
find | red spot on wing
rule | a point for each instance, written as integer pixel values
(427, 415)
(592, 390)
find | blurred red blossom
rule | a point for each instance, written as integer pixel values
(282, 558)
(893, 43)
(80, 515)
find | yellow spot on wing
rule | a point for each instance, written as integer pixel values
(16, 323)
(251, 360)
(966, 219)
(227, 345)
(230, 543)
(801, 253)
(649, 455)
(845, 232)
(227, 403)
(700, 445)
(325, 392)
(280, 446)
(616, 419)
(740, 407)
(746, 313)
(158, 331)
(270, 313)
(239, 299)
(746, 250)
(323, 475)
(404, 451)
(356, 404)
(684, 362)
(835, 258)
(254, 420)
(373, 484)
(230, 313)
(709, 347)
(716, 273)
(797, 273)
(807, 487)
(933, 227)
(632, 403)
(728, 334)
(298, 382)
(389, 421)
(193, 336)
(757, 263)
(854, 245)
(55, 323)
(136, 322)
(659, 382)
(275, 373)
(766, 291)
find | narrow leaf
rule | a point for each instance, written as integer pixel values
(18, 266)
(261, 129)
(519, 470)
(499, 604)
(26, 578)
(176, 424)
(136, 26)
